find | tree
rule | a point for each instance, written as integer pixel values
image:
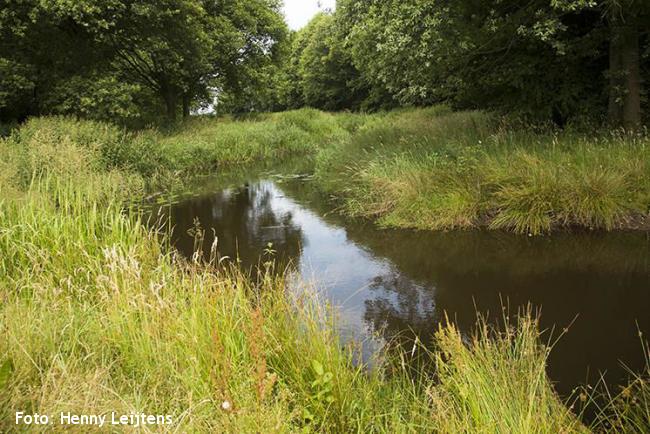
(475, 54)
(248, 74)
(319, 72)
(624, 18)
(328, 78)
(545, 60)
(181, 48)
(38, 51)
(175, 49)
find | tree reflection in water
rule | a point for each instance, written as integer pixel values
(401, 283)
(596, 283)
(243, 221)
(401, 310)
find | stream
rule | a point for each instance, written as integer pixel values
(591, 289)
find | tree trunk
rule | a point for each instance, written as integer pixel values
(171, 103)
(615, 112)
(186, 106)
(624, 74)
(632, 67)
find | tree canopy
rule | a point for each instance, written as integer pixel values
(543, 59)
(121, 58)
(129, 59)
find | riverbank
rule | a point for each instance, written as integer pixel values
(97, 317)
(426, 169)
(433, 169)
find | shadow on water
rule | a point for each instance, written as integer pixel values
(400, 283)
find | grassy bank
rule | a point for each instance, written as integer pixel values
(438, 170)
(97, 317)
(429, 169)
(200, 147)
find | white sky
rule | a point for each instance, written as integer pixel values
(299, 12)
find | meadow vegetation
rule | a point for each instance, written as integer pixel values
(427, 169)
(435, 169)
(99, 314)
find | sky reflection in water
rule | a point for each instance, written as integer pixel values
(396, 282)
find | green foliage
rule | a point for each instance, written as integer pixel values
(425, 169)
(208, 144)
(318, 70)
(6, 369)
(544, 61)
(109, 309)
(99, 97)
(508, 403)
(98, 316)
(15, 82)
(104, 60)
(112, 320)
(493, 56)
(127, 61)
(195, 148)
(439, 170)
(327, 76)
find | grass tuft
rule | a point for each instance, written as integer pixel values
(438, 170)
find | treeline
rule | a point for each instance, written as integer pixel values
(542, 59)
(132, 60)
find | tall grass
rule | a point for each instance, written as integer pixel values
(498, 383)
(208, 144)
(433, 169)
(98, 316)
(200, 146)
(626, 410)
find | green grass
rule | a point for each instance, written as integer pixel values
(201, 146)
(98, 315)
(626, 410)
(205, 144)
(498, 383)
(97, 318)
(437, 170)
(429, 169)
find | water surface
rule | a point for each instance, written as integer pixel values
(400, 283)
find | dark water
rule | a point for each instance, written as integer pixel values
(398, 282)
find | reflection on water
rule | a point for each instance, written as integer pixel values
(241, 221)
(397, 282)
